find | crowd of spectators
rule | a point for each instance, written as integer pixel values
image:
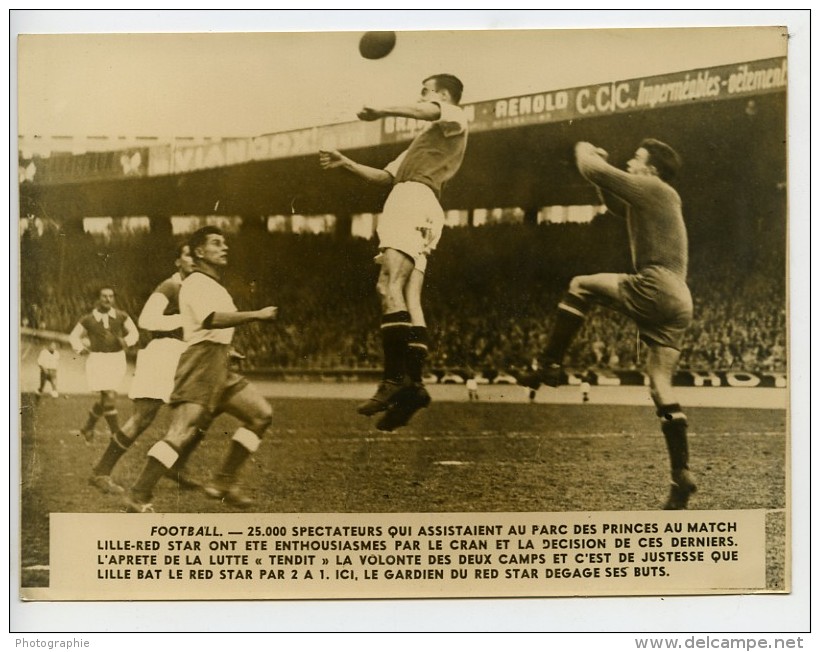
(490, 298)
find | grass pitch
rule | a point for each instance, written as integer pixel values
(320, 456)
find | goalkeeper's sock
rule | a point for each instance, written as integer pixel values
(417, 346)
(395, 329)
(117, 447)
(569, 318)
(674, 426)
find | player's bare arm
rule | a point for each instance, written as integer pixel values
(331, 159)
(420, 111)
(232, 319)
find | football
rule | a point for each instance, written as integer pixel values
(377, 45)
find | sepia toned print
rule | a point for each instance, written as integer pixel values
(410, 325)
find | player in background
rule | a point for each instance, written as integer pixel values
(49, 361)
(409, 230)
(204, 384)
(532, 372)
(472, 388)
(105, 333)
(153, 377)
(586, 383)
(656, 296)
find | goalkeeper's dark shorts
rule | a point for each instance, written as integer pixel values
(203, 376)
(660, 303)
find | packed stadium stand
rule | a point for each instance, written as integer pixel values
(491, 295)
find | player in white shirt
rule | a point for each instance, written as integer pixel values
(153, 378)
(205, 385)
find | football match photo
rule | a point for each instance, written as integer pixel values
(398, 313)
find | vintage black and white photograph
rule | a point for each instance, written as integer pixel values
(403, 313)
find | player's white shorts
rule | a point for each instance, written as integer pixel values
(411, 221)
(105, 371)
(156, 366)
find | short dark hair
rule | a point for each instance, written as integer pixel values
(200, 237)
(180, 247)
(105, 287)
(450, 83)
(665, 159)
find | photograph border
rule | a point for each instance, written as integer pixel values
(714, 613)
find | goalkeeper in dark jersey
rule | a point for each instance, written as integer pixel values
(656, 296)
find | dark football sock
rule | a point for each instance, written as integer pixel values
(161, 457)
(674, 426)
(569, 318)
(151, 473)
(395, 331)
(116, 449)
(417, 346)
(93, 416)
(237, 454)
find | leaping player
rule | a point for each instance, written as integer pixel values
(409, 229)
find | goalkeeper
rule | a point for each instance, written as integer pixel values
(656, 296)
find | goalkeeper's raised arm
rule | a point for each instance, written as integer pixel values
(594, 167)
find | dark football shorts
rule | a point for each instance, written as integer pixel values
(204, 377)
(660, 303)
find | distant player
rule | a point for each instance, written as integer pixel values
(154, 376)
(472, 389)
(532, 391)
(204, 384)
(49, 361)
(409, 230)
(586, 383)
(105, 333)
(656, 296)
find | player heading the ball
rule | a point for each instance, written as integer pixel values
(409, 229)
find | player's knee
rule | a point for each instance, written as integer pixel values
(392, 297)
(261, 420)
(383, 287)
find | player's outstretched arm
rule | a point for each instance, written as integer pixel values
(233, 319)
(331, 159)
(420, 111)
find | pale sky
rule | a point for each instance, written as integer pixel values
(248, 84)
